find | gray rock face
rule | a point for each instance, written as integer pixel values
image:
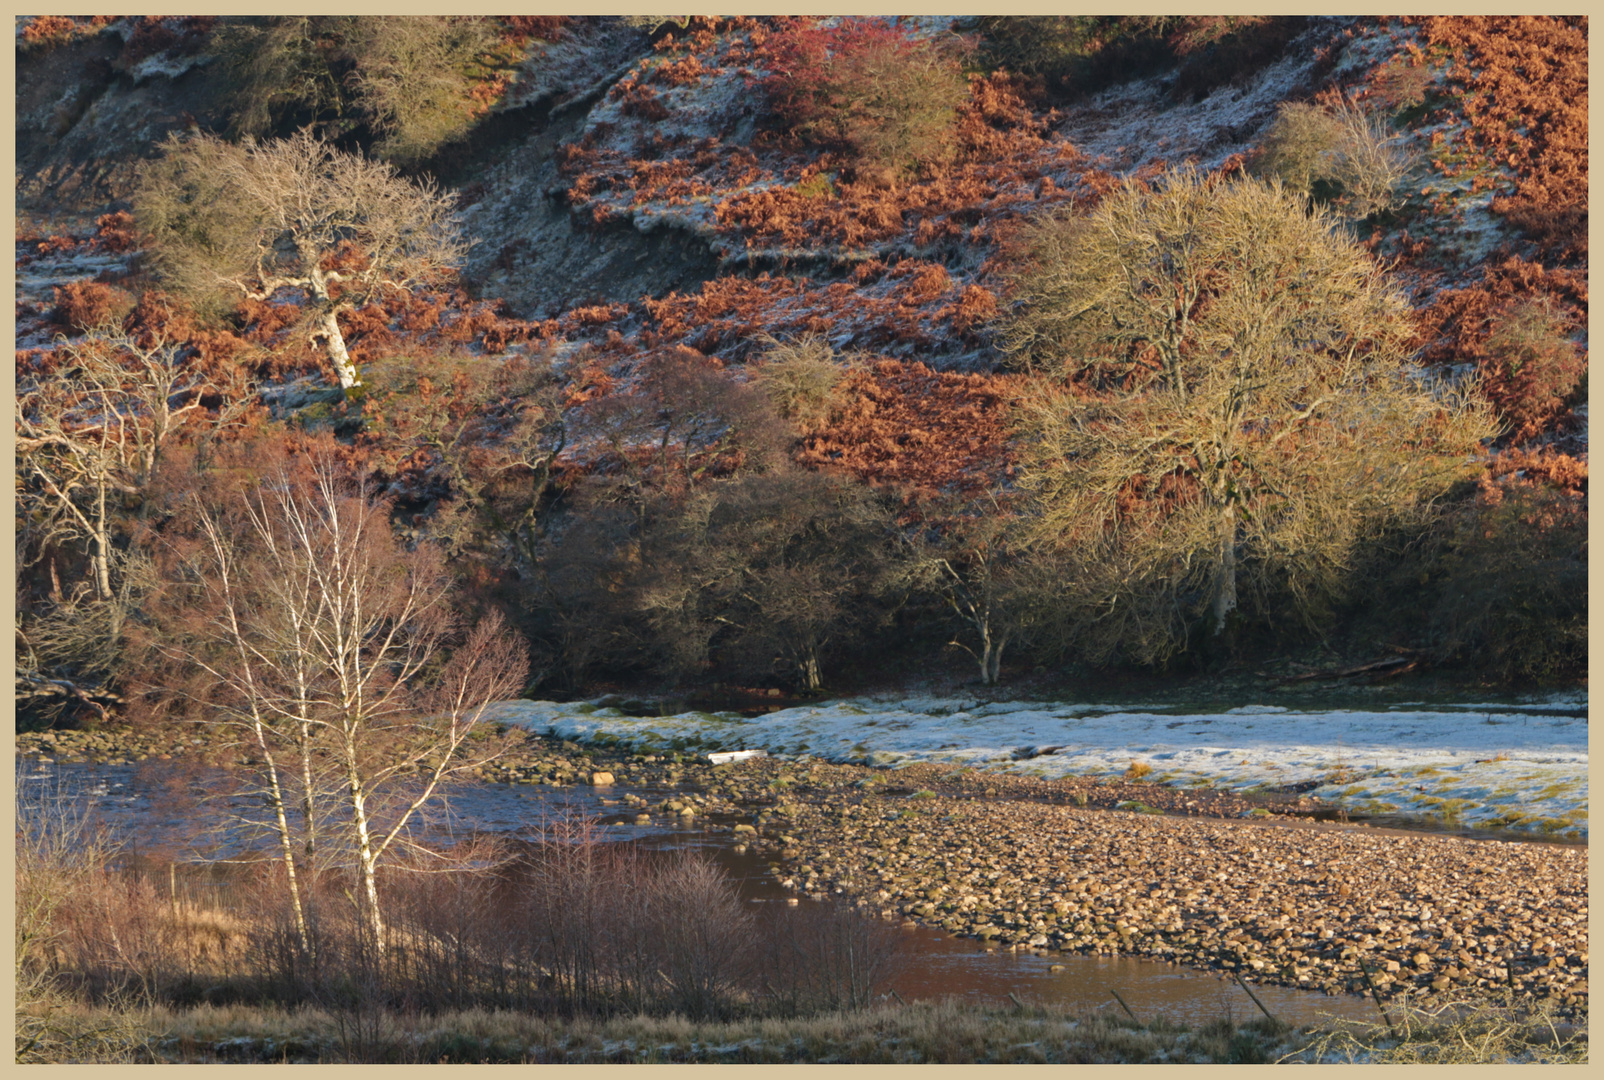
(83, 128)
(534, 252)
(539, 257)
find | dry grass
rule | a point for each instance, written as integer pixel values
(951, 1032)
(922, 1032)
(1464, 1032)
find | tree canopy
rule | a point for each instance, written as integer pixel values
(238, 221)
(1236, 407)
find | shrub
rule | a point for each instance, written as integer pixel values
(1343, 146)
(1400, 84)
(801, 379)
(81, 306)
(417, 82)
(1458, 328)
(1371, 163)
(885, 97)
(414, 79)
(116, 232)
(1531, 367)
(1512, 593)
(1498, 583)
(1081, 54)
(827, 957)
(1301, 144)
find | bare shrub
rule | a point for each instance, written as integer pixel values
(800, 378)
(1345, 145)
(888, 98)
(821, 957)
(1531, 367)
(704, 935)
(1400, 84)
(59, 852)
(1372, 162)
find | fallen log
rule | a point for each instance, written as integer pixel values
(1392, 665)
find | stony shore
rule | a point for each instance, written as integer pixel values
(1198, 877)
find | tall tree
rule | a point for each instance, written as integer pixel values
(327, 640)
(1236, 407)
(249, 220)
(92, 430)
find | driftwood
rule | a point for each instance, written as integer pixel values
(1391, 665)
(31, 685)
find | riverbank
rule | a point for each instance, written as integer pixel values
(919, 1032)
(1464, 762)
(1206, 878)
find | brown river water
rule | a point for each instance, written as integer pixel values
(139, 804)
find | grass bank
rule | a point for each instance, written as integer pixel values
(917, 1032)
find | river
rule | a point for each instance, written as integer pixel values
(147, 807)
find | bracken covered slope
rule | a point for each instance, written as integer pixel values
(633, 196)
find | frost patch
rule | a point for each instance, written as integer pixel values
(1488, 765)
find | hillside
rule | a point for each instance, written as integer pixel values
(728, 394)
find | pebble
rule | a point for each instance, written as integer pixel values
(1425, 914)
(1052, 865)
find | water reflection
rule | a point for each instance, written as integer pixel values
(138, 803)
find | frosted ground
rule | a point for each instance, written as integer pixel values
(1521, 766)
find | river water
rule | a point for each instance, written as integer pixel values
(151, 809)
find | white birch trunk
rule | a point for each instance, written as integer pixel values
(334, 342)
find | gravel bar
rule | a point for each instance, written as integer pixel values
(1205, 878)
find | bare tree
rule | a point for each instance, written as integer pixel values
(986, 574)
(409, 78)
(787, 564)
(1240, 404)
(91, 433)
(412, 78)
(491, 432)
(326, 638)
(249, 220)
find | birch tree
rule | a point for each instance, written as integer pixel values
(1232, 405)
(249, 220)
(92, 430)
(326, 637)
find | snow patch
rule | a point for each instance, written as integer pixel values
(169, 66)
(1517, 765)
